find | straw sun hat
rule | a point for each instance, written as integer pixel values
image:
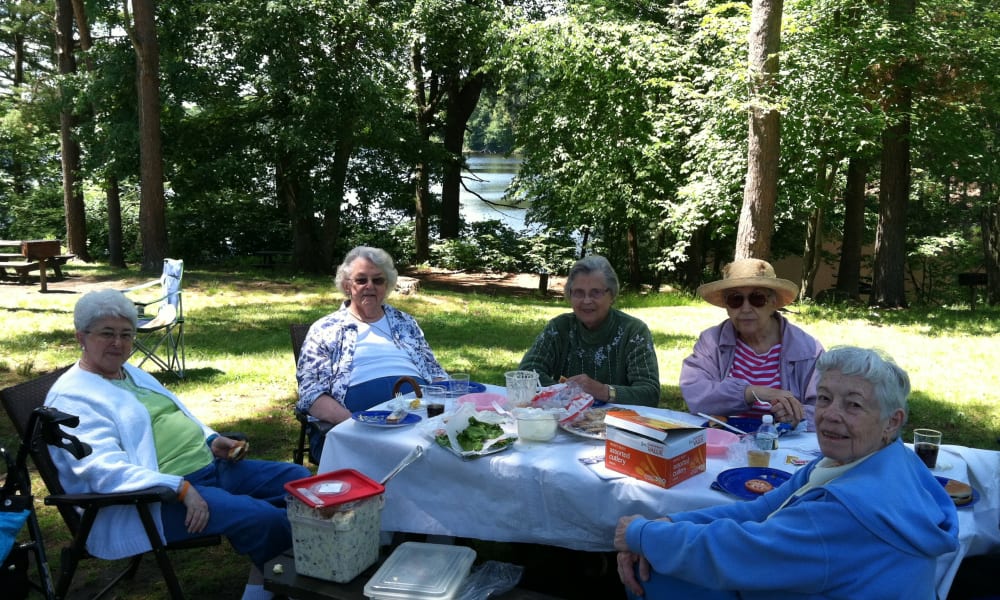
(748, 272)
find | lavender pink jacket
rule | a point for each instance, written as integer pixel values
(707, 387)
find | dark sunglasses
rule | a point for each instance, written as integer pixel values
(364, 281)
(757, 299)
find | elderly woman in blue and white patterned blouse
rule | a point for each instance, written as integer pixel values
(351, 358)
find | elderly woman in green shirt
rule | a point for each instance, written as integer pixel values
(608, 353)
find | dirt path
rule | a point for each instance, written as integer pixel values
(513, 284)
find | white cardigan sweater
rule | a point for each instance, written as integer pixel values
(119, 429)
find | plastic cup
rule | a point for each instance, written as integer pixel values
(927, 443)
(521, 387)
(459, 384)
(436, 397)
(758, 458)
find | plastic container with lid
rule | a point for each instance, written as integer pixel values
(336, 522)
(421, 571)
(535, 424)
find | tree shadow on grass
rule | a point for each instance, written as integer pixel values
(966, 425)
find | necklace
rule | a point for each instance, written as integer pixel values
(387, 334)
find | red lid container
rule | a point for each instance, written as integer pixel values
(335, 487)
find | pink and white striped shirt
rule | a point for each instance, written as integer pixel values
(757, 369)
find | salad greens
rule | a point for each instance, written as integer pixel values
(475, 436)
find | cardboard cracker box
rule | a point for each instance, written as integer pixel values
(657, 450)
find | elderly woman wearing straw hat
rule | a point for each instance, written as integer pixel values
(755, 361)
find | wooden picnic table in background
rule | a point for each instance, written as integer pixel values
(34, 254)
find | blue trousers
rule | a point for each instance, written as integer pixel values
(359, 397)
(246, 503)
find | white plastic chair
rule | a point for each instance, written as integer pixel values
(160, 334)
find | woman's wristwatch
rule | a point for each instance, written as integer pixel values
(612, 393)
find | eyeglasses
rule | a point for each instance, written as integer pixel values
(110, 335)
(595, 294)
(757, 299)
(363, 281)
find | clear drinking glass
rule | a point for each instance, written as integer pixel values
(927, 443)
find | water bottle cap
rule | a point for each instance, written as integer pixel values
(768, 419)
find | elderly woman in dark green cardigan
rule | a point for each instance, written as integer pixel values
(607, 352)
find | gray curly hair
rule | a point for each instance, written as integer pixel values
(890, 383)
(100, 304)
(377, 256)
(592, 264)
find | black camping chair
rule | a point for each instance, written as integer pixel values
(40, 427)
(298, 333)
(17, 510)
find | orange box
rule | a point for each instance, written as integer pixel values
(669, 454)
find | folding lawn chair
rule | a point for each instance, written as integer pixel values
(160, 336)
(298, 333)
(17, 510)
(40, 427)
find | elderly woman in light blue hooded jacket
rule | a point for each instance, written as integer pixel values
(834, 530)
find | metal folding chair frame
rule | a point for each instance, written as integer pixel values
(39, 427)
(157, 338)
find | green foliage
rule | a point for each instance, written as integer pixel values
(492, 247)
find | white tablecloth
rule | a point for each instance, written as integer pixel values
(542, 493)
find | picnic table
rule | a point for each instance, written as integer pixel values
(34, 255)
(542, 493)
(269, 258)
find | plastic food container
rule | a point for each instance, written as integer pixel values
(419, 571)
(535, 425)
(336, 518)
(718, 441)
(483, 400)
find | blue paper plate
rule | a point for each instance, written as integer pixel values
(731, 480)
(975, 493)
(376, 418)
(448, 384)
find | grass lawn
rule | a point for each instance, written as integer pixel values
(240, 373)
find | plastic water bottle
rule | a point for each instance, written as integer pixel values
(767, 434)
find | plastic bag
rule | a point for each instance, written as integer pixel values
(491, 578)
(568, 396)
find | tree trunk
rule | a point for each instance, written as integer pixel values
(812, 257)
(634, 270)
(424, 110)
(331, 214)
(889, 274)
(461, 103)
(849, 271)
(76, 218)
(152, 206)
(116, 256)
(760, 192)
(991, 241)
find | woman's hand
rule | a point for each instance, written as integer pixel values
(197, 510)
(626, 571)
(785, 407)
(229, 449)
(627, 558)
(590, 386)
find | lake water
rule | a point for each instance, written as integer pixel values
(488, 177)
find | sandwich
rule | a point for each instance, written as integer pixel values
(239, 450)
(961, 493)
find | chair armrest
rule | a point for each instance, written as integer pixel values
(234, 435)
(146, 496)
(141, 286)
